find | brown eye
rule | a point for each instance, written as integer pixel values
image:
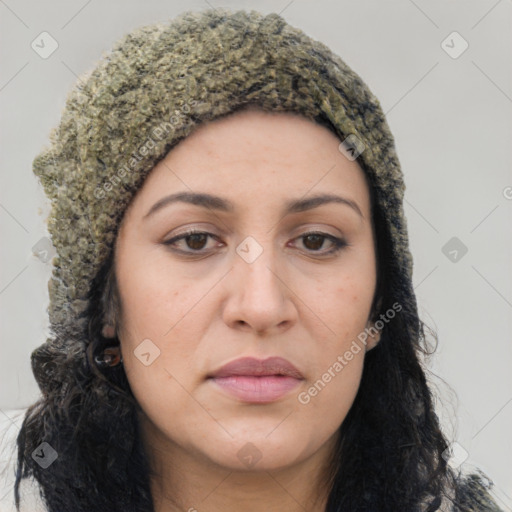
(194, 242)
(315, 240)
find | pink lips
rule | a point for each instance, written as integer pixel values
(258, 381)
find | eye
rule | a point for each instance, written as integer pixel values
(314, 240)
(197, 240)
(193, 239)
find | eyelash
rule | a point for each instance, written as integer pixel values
(339, 244)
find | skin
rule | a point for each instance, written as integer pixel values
(203, 311)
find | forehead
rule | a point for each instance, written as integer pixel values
(271, 156)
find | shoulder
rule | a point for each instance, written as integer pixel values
(10, 423)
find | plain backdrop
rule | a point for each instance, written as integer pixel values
(450, 109)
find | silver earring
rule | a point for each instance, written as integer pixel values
(110, 357)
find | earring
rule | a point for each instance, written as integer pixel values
(111, 356)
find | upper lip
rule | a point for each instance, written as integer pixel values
(258, 367)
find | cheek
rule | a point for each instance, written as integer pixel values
(343, 303)
(346, 304)
(151, 294)
(324, 404)
(344, 291)
(158, 305)
(158, 323)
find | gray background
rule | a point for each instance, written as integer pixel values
(451, 118)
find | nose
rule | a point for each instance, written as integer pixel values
(259, 297)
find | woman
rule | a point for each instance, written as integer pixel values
(233, 319)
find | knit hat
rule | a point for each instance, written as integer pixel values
(157, 85)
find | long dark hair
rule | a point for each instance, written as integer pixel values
(390, 447)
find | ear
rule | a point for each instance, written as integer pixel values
(374, 335)
(108, 331)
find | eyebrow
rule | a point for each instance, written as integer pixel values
(218, 203)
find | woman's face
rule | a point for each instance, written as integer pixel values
(251, 284)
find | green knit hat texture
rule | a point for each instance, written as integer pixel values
(158, 84)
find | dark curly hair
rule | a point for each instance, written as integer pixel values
(389, 455)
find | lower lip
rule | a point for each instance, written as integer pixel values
(257, 389)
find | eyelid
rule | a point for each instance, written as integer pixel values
(298, 232)
(338, 243)
(314, 228)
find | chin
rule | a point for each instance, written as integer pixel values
(257, 452)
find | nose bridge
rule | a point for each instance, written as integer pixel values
(255, 265)
(259, 296)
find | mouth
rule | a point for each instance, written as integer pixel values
(257, 381)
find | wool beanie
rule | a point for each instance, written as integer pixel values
(157, 85)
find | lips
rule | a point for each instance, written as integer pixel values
(257, 381)
(250, 366)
